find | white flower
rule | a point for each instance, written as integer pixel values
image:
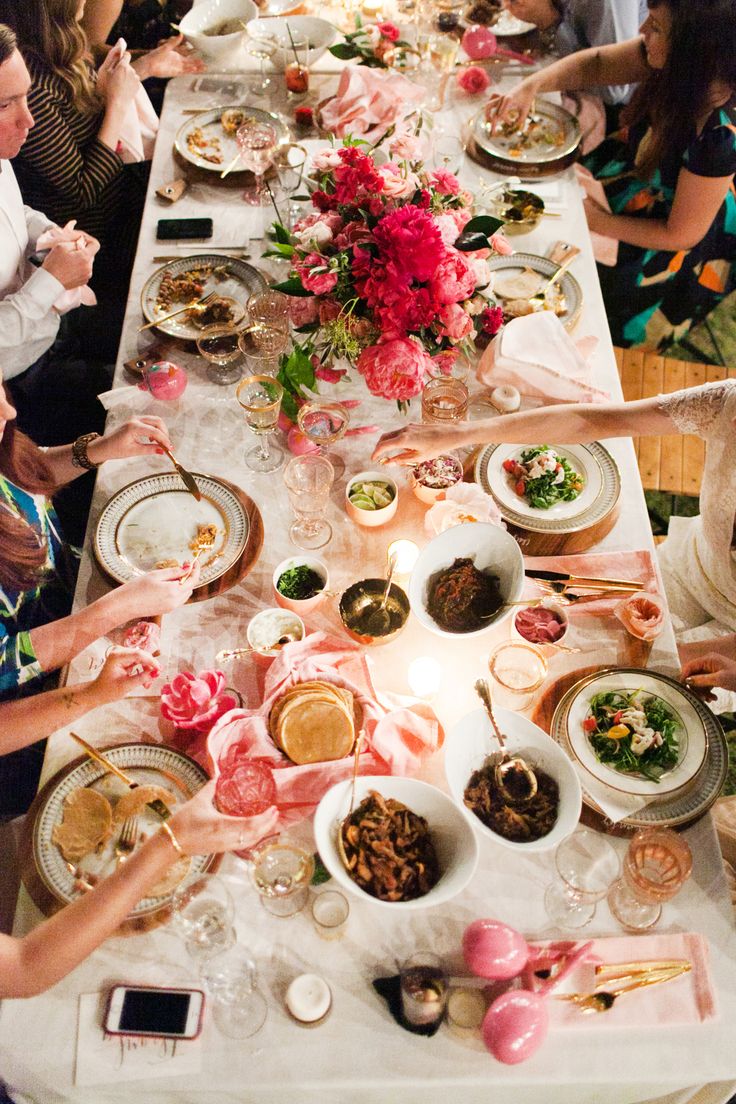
(461, 503)
(318, 234)
(325, 159)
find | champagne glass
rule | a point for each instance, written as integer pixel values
(263, 343)
(260, 397)
(324, 423)
(309, 480)
(657, 865)
(239, 1007)
(262, 46)
(218, 344)
(202, 912)
(587, 864)
(257, 143)
(281, 874)
(443, 51)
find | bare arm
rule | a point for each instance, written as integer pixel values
(143, 436)
(99, 18)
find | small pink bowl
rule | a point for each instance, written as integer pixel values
(431, 494)
(371, 518)
(304, 605)
(559, 611)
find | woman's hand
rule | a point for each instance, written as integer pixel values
(157, 592)
(201, 830)
(702, 675)
(598, 217)
(170, 59)
(121, 84)
(124, 669)
(513, 107)
(145, 436)
(413, 443)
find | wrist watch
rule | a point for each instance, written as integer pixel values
(80, 457)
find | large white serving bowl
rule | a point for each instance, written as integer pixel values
(452, 836)
(318, 32)
(208, 13)
(490, 547)
(471, 740)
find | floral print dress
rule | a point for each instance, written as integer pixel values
(653, 296)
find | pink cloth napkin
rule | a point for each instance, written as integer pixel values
(639, 565)
(140, 124)
(688, 999)
(605, 249)
(74, 297)
(536, 355)
(397, 734)
(368, 102)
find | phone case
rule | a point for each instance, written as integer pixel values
(182, 229)
(150, 1034)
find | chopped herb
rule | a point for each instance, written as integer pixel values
(299, 583)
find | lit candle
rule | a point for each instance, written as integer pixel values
(372, 8)
(308, 998)
(424, 676)
(506, 399)
(406, 553)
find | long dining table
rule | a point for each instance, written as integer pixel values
(359, 1053)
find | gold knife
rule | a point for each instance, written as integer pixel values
(188, 479)
(157, 805)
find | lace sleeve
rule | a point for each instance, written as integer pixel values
(697, 409)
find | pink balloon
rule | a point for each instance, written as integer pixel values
(165, 380)
(479, 42)
(515, 1026)
(493, 950)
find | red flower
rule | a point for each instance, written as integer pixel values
(390, 31)
(473, 80)
(453, 279)
(356, 178)
(410, 239)
(324, 202)
(304, 116)
(491, 320)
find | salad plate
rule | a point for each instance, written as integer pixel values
(542, 497)
(207, 139)
(190, 278)
(547, 144)
(506, 24)
(599, 496)
(565, 297)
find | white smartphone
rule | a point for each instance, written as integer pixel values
(143, 1010)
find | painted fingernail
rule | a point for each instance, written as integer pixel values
(160, 451)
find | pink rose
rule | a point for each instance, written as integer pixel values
(302, 310)
(473, 80)
(389, 31)
(455, 323)
(462, 216)
(325, 160)
(397, 184)
(315, 276)
(642, 615)
(317, 230)
(445, 182)
(196, 701)
(406, 147)
(395, 369)
(452, 280)
(501, 244)
(480, 269)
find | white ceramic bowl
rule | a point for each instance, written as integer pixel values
(491, 548)
(470, 741)
(454, 841)
(304, 605)
(318, 32)
(371, 518)
(208, 13)
(290, 622)
(430, 494)
(557, 608)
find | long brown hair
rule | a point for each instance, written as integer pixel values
(23, 551)
(50, 31)
(702, 50)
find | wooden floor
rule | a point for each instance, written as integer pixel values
(673, 465)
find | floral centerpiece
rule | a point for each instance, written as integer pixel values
(388, 270)
(373, 45)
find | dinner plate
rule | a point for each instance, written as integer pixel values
(601, 493)
(226, 276)
(516, 263)
(507, 24)
(692, 737)
(550, 133)
(156, 519)
(580, 459)
(147, 764)
(226, 147)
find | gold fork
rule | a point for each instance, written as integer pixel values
(196, 306)
(127, 839)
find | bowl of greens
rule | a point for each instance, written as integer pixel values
(300, 583)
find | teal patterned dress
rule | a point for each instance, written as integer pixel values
(653, 297)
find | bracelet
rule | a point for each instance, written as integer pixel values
(169, 832)
(80, 458)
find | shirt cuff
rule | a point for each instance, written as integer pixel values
(43, 289)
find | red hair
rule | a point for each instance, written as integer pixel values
(23, 550)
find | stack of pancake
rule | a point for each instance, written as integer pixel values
(314, 722)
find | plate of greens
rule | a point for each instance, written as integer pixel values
(636, 732)
(553, 481)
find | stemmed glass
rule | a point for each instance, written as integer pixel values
(218, 344)
(281, 874)
(257, 142)
(202, 912)
(270, 307)
(239, 1007)
(443, 51)
(308, 480)
(324, 423)
(262, 46)
(260, 397)
(587, 864)
(657, 865)
(263, 343)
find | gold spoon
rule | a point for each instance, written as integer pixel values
(603, 1000)
(287, 638)
(500, 760)
(343, 823)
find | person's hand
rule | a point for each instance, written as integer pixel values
(201, 830)
(121, 84)
(142, 436)
(413, 443)
(156, 592)
(71, 262)
(124, 669)
(708, 671)
(513, 107)
(597, 217)
(170, 59)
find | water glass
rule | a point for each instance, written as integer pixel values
(238, 1006)
(260, 399)
(448, 152)
(444, 400)
(270, 307)
(423, 989)
(281, 874)
(262, 343)
(657, 865)
(309, 480)
(518, 671)
(219, 345)
(587, 863)
(262, 46)
(330, 912)
(202, 912)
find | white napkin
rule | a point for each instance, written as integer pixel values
(536, 355)
(140, 124)
(74, 297)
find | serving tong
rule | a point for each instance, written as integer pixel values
(501, 762)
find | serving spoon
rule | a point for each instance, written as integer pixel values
(501, 762)
(377, 621)
(287, 638)
(604, 999)
(343, 823)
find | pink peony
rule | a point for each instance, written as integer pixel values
(406, 147)
(196, 701)
(447, 227)
(455, 323)
(444, 361)
(394, 369)
(410, 239)
(473, 80)
(302, 310)
(353, 233)
(389, 31)
(501, 244)
(491, 320)
(453, 279)
(480, 269)
(325, 160)
(315, 276)
(397, 184)
(445, 183)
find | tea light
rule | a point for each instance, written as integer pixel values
(465, 1010)
(406, 553)
(424, 676)
(372, 8)
(506, 399)
(308, 998)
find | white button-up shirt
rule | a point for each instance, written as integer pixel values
(28, 322)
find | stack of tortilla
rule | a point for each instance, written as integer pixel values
(314, 722)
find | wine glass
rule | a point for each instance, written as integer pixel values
(657, 865)
(202, 912)
(260, 397)
(281, 874)
(257, 142)
(262, 46)
(587, 864)
(269, 307)
(218, 344)
(324, 423)
(443, 51)
(309, 480)
(239, 1008)
(448, 152)
(263, 343)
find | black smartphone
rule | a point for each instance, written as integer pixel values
(144, 1010)
(170, 229)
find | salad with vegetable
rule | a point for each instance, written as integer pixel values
(543, 477)
(633, 732)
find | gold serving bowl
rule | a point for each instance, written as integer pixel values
(357, 604)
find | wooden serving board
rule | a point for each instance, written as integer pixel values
(564, 544)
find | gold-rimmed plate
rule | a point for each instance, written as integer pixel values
(203, 141)
(550, 136)
(565, 296)
(228, 277)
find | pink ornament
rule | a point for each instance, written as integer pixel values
(479, 42)
(299, 443)
(515, 1025)
(165, 380)
(493, 950)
